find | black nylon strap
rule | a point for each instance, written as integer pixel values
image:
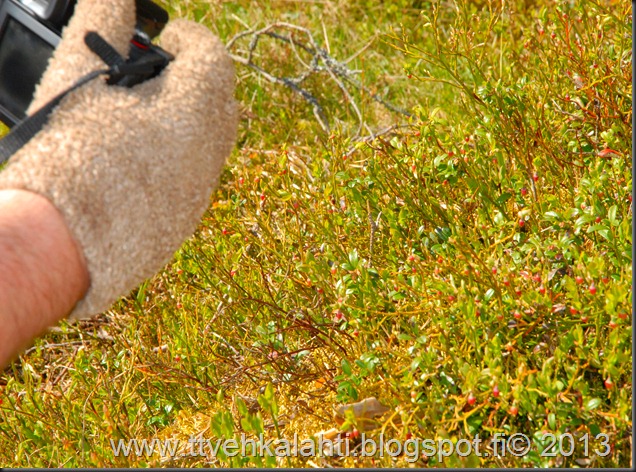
(30, 126)
(24, 131)
(105, 51)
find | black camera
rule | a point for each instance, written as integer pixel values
(29, 32)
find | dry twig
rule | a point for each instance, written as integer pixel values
(321, 63)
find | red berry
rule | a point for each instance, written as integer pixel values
(355, 333)
(542, 290)
(608, 384)
(495, 391)
(597, 219)
(517, 292)
(524, 191)
(522, 223)
(592, 289)
(622, 315)
(494, 270)
(573, 310)
(471, 399)
(517, 315)
(584, 318)
(411, 258)
(535, 177)
(578, 279)
(513, 410)
(506, 282)
(604, 279)
(536, 277)
(263, 197)
(613, 324)
(241, 180)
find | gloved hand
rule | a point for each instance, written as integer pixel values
(130, 169)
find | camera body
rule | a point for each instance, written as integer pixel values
(30, 31)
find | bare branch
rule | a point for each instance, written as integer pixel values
(321, 62)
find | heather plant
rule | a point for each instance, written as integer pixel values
(467, 262)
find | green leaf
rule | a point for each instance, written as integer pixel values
(552, 421)
(346, 367)
(611, 215)
(241, 406)
(353, 259)
(503, 198)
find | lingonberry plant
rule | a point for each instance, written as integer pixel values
(469, 266)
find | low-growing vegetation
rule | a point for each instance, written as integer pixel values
(456, 242)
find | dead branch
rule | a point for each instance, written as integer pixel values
(321, 62)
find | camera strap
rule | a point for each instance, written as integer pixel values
(26, 129)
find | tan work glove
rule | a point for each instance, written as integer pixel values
(130, 169)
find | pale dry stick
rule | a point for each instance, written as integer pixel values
(321, 61)
(317, 109)
(352, 103)
(54, 346)
(289, 82)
